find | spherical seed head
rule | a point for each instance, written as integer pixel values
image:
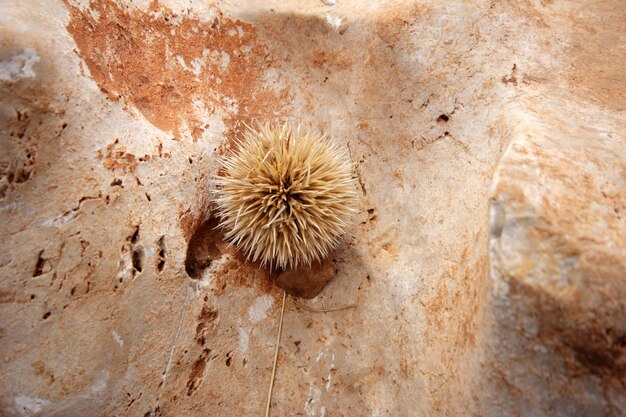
(284, 197)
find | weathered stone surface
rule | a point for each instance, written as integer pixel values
(558, 253)
(118, 296)
(307, 282)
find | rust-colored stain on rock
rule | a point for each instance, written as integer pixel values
(171, 67)
(197, 372)
(114, 157)
(206, 319)
(117, 158)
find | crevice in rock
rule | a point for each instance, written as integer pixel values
(203, 248)
(161, 255)
(41, 261)
(137, 260)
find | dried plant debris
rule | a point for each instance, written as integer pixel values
(285, 196)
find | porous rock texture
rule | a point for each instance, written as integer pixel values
(487, 260)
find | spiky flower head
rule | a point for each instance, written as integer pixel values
(285, 196)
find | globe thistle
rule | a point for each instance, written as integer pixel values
(284, 197)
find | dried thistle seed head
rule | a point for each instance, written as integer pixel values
(284, 196)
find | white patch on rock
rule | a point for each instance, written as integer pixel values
(182, 63)
(11, 206)
(19, 65)
(125, 270)
(330, 372)
(258, 310)
(207, 276)
(118, 339)
(60, 220)
(225, 61)
(334, 21)
(197, 65)
(101, 382)
(244, 339)
(313, 398)
(95, 15)
(27, 406)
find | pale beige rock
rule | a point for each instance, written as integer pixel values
(558, 256)
(118, 296)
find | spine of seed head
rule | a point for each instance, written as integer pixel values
(285, 196)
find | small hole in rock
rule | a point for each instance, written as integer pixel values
(135, 236)
(161, 258)
(40, 264)
(138, 259)
(45, 316)
(443, 118)
(203, 248)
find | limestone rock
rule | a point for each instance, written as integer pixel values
(558, 255)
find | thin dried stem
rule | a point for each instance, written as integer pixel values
(280, 331)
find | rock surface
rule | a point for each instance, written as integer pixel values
(487, 261)
(307, 282)
(558, 257)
